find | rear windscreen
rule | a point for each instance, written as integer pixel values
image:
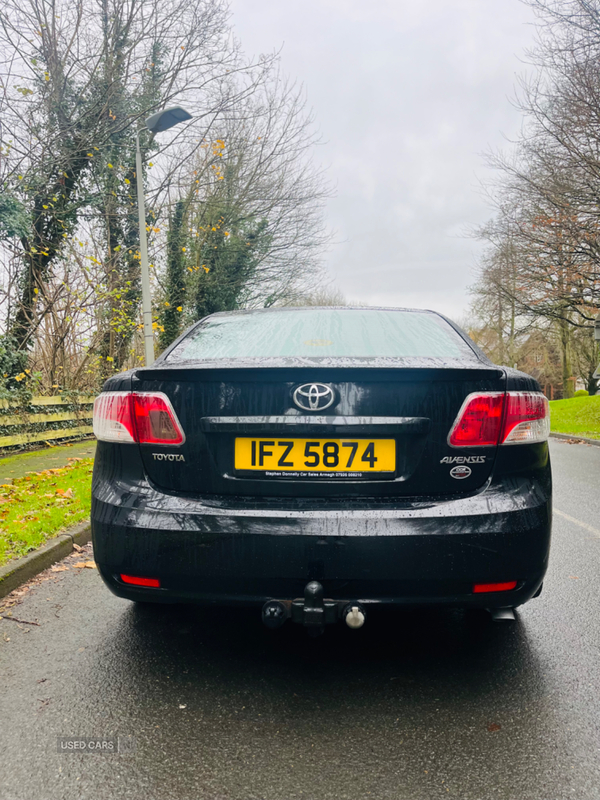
(354, 333)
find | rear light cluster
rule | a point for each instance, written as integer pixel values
(142, 417)
(491, 418)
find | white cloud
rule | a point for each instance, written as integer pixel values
(407, 96)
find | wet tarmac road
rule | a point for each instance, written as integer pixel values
(419, 705)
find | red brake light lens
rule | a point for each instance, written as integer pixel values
(155, 419)
(142, 417)
(151, 583)
(479, 421)
(507, 586)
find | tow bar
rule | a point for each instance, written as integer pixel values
(314, 612)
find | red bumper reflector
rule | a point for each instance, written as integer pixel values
(153, 583)
(478, 588)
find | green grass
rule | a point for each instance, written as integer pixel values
(578, 415)
(37, 507)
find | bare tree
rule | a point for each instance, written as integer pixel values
(77, 79)
(547, 189)
(248, 229)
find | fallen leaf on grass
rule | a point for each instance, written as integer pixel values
(65, 492)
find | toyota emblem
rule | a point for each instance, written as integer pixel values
(314, 396)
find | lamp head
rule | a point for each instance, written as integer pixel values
(163, 120)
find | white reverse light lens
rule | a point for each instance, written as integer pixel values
(537, 430)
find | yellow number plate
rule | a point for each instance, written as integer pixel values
(352, 457)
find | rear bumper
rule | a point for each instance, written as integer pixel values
(417, 554)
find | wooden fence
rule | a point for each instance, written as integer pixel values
(44, 419)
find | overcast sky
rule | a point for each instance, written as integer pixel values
(407, 96)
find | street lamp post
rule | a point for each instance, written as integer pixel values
(161, 121)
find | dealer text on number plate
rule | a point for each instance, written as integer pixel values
(315, 455)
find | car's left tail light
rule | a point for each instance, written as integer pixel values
(142, 417)
(155, 420)
(113, 417)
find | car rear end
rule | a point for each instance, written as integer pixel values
(399, 467)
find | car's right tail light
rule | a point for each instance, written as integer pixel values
(526, 418)
(491, 418)
(142, 417)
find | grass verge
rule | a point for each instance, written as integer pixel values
(578, 415)
(38, 506)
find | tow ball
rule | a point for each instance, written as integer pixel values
(354, 616)
(313, 612)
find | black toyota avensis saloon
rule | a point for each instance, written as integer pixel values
(314, 462)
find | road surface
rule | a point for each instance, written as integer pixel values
(416, 706)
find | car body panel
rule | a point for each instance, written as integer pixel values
(428, 550)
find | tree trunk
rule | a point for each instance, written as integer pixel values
(565, 348)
